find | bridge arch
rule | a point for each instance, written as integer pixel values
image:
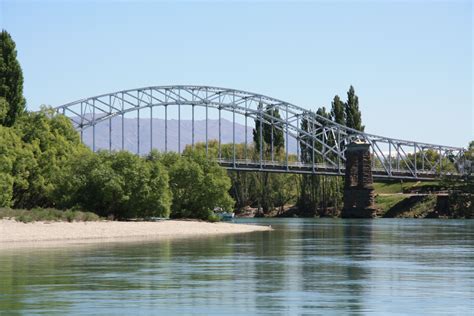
(325, 139)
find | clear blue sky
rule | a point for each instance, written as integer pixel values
(409, 61)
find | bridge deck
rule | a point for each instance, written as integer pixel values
(320, 169)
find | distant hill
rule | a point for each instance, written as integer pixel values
(130, 128)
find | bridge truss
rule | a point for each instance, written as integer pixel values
(320, 145)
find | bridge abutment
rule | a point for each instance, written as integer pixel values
(358, 187)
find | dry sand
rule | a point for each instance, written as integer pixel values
(39, 234)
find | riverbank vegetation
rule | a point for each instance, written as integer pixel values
(47, 215)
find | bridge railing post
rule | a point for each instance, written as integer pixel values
(416, 168)
(110, 123)
(286, 142)
(440, 163)
(246, 115)
(297, 138)
(312, 146)
(390, 158)
(138, 123)
(233, 129)
(166, 127)
(260, 108)
(93, 126)
(151, 120)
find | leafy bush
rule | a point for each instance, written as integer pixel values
(198, 185)
(120, 184)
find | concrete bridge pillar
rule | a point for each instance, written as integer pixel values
(358, 187)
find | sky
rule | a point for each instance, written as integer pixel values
(409, 61)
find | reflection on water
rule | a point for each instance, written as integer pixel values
(303, 267)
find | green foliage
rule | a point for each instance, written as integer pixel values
(338, 111)
(272, 132)
(51, 141)
(306, 153)
(16, 160)
(198, 185)
(462, 205)
(428, 159)
(121, 185)
(353, 114)
(47, 214)
(471, 148)
(12, 102)
(318, 194)
(261, 190)
(3, 109)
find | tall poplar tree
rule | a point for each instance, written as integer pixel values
(338, 111)
(353, 115)
(257, 135)
(272, 134)
(12, 102)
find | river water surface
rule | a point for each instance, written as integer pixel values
(304, 266)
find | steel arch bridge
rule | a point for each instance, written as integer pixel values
(322, 140)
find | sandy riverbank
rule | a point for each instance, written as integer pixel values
(16, 234)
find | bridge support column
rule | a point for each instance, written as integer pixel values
(358, 186)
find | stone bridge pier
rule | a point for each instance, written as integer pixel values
(358, 186)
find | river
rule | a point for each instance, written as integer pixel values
(304, 266)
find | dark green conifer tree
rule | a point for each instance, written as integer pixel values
(11, 82)
(353, 115)
(337, 111)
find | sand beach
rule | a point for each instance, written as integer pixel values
(15, 234)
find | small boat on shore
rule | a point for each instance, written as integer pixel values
(226, 216)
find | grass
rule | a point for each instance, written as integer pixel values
(422, 209)
(47, 214)
(399, 205)
(403, 187)
(386, 202)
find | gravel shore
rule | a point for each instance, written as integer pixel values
(16, 234)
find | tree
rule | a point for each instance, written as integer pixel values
(272, 132)
(317, 193)
(337, 111)
(353, 115)
(3, 110)
(11, 82)
(53, 141)
(257, 134)
(16, 158)
(198, 185)
(120, 184)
